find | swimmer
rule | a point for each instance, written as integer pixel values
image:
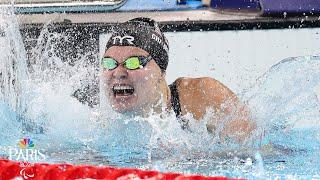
(134, 69)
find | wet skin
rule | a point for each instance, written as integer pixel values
(196, 95)
(148, 82)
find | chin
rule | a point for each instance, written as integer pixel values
(122, 108)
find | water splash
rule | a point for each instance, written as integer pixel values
(285, 100)
(286, 105)
(13, 76)
(67, 121)
(13, 68)
(279, 103)
(39, 90)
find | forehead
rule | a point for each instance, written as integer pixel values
(123, 52)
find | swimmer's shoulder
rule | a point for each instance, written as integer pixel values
(197, 94)
(205, 86)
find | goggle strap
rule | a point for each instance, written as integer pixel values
(144, 61)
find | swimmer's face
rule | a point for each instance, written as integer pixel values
(131, 90)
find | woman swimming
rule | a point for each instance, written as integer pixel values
(134, 69)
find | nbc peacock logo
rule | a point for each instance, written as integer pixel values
(26, 143)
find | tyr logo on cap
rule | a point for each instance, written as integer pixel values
(129, 39)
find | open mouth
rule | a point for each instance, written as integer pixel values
(122, 90)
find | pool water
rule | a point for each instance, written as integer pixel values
(37, 102)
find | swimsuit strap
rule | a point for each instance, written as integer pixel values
(175, 101)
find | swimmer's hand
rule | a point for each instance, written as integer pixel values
(238, 130)
(238, 127)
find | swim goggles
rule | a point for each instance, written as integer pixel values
(132, 63)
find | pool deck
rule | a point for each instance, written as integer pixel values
(160, 16)
(185, 20)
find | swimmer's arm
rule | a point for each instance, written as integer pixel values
(240, 127)
(198, 94)
(232, 114)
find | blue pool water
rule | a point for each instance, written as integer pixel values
(36, 102)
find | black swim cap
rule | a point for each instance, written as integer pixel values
(145, 34)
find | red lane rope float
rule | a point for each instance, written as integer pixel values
(11, 170)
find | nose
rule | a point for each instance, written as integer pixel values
(120, 72)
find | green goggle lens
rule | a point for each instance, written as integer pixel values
(109, 63)
(131, 63)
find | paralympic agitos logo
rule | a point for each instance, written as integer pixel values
(26, 152)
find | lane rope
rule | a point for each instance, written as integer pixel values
(24, 170)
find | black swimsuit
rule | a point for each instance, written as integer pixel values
(175, 102)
